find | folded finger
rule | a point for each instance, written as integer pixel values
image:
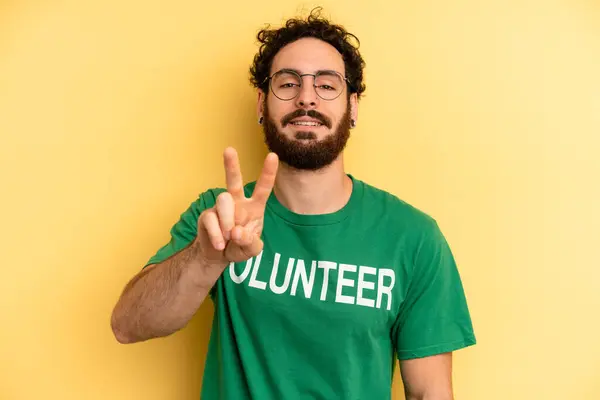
(225, 207)
(210, 223)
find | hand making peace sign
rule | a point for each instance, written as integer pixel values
(231, 230)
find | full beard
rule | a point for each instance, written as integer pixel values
(306, 152)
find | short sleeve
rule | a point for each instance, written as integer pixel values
(185, 230)
(434, 317)
(182, 232)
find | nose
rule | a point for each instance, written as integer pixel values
(307, 98)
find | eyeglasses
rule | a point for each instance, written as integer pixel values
(286, 84)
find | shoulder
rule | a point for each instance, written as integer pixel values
(405, 225)
(205, 200)
(394, 211)
(209, 196)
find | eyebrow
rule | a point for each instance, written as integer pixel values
(321, 71)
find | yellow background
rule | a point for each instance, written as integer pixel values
(114, 115)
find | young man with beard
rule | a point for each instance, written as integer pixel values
(319, 280)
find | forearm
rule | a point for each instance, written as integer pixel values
(162, 298)
(428, 378)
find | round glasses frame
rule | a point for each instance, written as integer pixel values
(300, 76)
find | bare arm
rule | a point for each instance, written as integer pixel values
(428, 378)
(163, 297)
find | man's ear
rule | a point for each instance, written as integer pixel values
(354, 107)
(260, 104)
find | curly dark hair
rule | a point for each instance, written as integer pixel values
(315, 26)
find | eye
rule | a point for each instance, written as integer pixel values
(326, 87)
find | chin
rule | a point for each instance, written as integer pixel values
(309, 134)
(306, 137)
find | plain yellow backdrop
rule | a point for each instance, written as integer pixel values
(114, 115)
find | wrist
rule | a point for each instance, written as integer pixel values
(204, 272)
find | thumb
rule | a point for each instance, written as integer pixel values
(255, 247)
(243, 248)
(248, 240)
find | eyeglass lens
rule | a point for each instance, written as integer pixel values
(286, 85)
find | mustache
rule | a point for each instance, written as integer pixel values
(304, 113)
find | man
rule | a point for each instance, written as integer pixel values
(319, 280)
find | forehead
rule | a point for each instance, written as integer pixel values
(308, 55)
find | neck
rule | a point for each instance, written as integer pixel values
(313, 192)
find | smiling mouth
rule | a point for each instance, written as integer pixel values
(305, 123)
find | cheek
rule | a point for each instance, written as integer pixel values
(277, 110)
(337, 113)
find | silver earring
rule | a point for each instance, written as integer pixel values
(353, 123)
(260, 120)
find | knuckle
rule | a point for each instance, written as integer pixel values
(223, 198)
(209, 218)
(206, 214)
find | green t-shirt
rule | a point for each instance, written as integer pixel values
(331, 302)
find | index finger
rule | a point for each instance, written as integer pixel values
(233, 174)
(266, 180)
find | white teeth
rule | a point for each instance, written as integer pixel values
(306, 123)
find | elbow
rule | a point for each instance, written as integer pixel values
(119, 331)
(122, 337)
